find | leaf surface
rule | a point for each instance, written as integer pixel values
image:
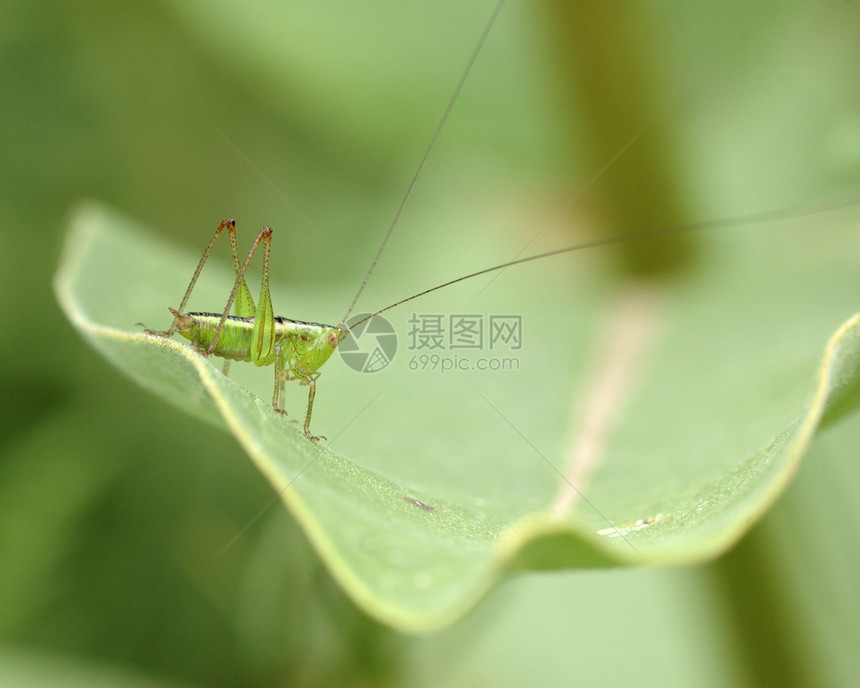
(644, 425)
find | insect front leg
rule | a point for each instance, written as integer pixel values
(311, 382)
(283, 372)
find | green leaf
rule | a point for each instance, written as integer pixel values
(643, 425)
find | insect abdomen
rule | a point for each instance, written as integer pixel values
(234, 342)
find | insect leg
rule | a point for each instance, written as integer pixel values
(230, 224)
(263, 335)
(312, 391)
(244, 306)
(265, 236)
(280, 381)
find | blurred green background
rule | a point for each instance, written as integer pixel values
(115, 507)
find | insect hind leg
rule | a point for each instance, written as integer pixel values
(244, 301)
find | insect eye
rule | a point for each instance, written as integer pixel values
(332, 339)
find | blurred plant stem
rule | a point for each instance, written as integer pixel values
(765, 637)
(608, 89)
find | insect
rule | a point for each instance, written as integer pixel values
(249, 331)
(296, 349)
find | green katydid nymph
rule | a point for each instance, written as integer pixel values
(297, 349)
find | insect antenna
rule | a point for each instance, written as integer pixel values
(448, 108)
(738, 221)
